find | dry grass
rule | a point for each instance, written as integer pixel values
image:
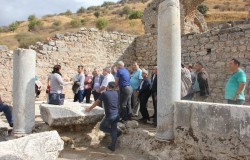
(226, 10)
(219, 10)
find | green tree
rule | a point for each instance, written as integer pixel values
(75, 23)
(126, 10)
(94, 8)
(135, 15)
(202, 9)
(97, 14)
(68, 12)
(81, 10)
(101, 24)
(13, 26)
(107, 3)
(33, 24)
(32, 17)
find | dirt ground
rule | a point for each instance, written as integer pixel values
(83, 150)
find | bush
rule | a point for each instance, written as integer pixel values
(83, 21)
(32, 17)
(13, 26)
(105, 4)
(34, 24)
(101, 24)
(135, 15)
(94, 8)
(75, 23)
(57, 23)
(81, 10)
(4, 29)
(67, 13)
(49, 15)
(126, 10)
(97, 14)
(202, 9)
(27, 39)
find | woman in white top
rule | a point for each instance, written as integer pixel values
(56, 84)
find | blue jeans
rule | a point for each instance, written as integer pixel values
(79, 96)
(6, 110)
(109, 125)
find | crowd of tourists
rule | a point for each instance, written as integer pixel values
(124, 95)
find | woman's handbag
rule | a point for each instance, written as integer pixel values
(48, 89)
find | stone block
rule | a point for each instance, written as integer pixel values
(70, 114)
(42, 146)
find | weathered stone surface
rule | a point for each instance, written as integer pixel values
(40, 146)
(70, 114)
(215, 131)
(202, 131)
(23, 85)
(169, 65)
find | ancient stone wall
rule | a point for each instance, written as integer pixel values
(213, 48)
(88, 47)
(191, 19)
(6, 67)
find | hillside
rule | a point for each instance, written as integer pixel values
(115, 14)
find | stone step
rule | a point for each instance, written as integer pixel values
(71, 113)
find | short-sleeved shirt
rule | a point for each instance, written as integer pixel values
(80, 78)
(135, 79)
(110, 101)
(233, 83)
(108, 78)
(124, 77)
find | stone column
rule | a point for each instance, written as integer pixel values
(24, 64)
(169, 66)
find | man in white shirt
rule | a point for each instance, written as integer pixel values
(108, 77)
(79, 80)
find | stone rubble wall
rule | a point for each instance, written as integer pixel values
(88, 47)
(214, 48)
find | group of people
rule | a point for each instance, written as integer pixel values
(195, 86)
(123, 94)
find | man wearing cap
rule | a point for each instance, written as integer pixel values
(109, 122)
(143, 94)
